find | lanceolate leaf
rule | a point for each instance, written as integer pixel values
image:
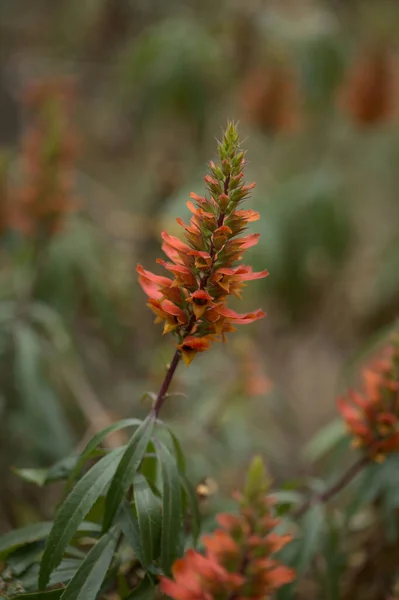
(312, 526)
(171, 508)
(130, 528)
(181, 459)
(126, 470)
(100, 437)
(149, 518)
(25, 535)
(74, 509)
(87, 581)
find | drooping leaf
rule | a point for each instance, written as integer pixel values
(171, 508)
(145, 591)
(126, 469)
(74, 509)
(26, 535)
(149, 518)
(87, 581)
(97, 439)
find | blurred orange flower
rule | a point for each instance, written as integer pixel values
(369, 94)
(372, 416)
(238, 560)
(271, 99)
(48, 151)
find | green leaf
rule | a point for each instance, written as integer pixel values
(312, 528)
(44, 413)
(52, 595)
(149, 518)
(26, 535)
(87, 581)
(66, 571)
(130, 528)
(123, 477)
(171, 508)
(180, 457)
(145, 591)
(74, 509)
(192, 499)
(36, 476)
(324, 441)
(60, 470)
(97, 439)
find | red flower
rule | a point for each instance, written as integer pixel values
(204, 268)
(373, 416)
(191, 345)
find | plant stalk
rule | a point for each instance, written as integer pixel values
(166, 383)
(337, 487)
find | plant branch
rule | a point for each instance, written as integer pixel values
(166, 383)
(337, 487)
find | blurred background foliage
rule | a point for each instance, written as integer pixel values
(314, 86)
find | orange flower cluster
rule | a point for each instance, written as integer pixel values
(238, 561)
(205, 268)
(47, 159)
(373, 416)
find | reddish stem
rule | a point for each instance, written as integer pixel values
(338, 486)
(166, 383)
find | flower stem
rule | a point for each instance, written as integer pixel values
(166, 383)
(337, 487)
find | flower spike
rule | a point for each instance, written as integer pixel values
(206, 266)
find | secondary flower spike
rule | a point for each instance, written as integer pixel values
(372, 416)
(206, 269)
(239, 560)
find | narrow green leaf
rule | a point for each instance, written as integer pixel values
(126, 470)
(130, 529)
(312, 528)
(66, 571)
(97, 439)
(19, 537)
(87, 581)
(324, 441)
(74, 509)
(145, 591)
(180, 457)
(171, 508)
(192, 499)
(149, 518)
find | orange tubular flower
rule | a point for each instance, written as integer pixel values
(373, 416)
(204, 267)
(238, 560)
